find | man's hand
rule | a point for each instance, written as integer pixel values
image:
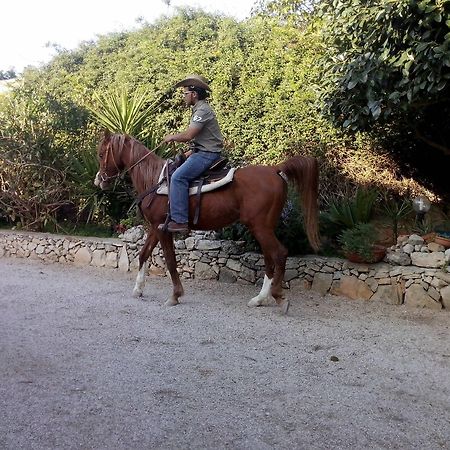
(169, 138)
(184, 136)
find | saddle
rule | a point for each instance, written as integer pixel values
(218, 175)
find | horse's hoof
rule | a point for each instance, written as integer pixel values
(137, 293)
(267, 301)
(171, 302)
(285, 307)
(255, 301)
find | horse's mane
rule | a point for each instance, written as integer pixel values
(146, 173)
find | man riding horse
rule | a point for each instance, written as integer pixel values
(206, 146)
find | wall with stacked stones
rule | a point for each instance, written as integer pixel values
(414, 273)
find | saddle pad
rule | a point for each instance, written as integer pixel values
(162, 190)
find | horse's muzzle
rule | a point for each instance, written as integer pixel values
(100, 182)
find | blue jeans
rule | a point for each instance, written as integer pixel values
(194, 166)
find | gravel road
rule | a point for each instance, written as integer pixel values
(85, 365)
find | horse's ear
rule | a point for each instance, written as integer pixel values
(106, 134)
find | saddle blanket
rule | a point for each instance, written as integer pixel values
(207, 187)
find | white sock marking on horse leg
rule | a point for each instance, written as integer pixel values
(140, 281)
(263, 295)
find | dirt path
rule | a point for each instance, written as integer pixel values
(84, 365)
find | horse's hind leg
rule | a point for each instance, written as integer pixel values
(169, 256)
(144, 254)
(265, 297)
(274, 251)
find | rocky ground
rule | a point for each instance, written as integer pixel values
(84, 365)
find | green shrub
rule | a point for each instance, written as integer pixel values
(359, 240)
(396, 210)
(348, 212)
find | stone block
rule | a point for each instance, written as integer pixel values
(292, 263)
(133, 234)
(290, 274)
(227, 276)
(204, 244)
(204, 271)
(124, 262)
(417, 297)
(415, 239)
(391, 294)
(433, 247)
(247, 274)
(398, 258)
(111, 260)
(83, 257)
(434, 293)
(372, 283)
(408, 248)
(190, 242)
(98, 258)
(300, 284)
(234, 265)
(352, 288)
(435, 259)
(322, 283)
(445, 277)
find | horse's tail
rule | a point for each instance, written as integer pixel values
(304, 172)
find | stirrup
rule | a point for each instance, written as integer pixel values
(163, 226)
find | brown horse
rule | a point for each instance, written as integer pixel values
(255, 197)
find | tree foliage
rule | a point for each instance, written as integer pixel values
(264, 72)
(297, 12)
(389, 62)
(7, 74)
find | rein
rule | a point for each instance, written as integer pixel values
(145, 156)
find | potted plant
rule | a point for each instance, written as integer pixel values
(359, 244)
(442, 231)
(442, 238)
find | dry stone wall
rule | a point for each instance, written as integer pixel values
(414, 273)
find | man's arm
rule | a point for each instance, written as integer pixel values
(184, 136)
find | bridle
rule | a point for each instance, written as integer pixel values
(102, 173)
(121, 173)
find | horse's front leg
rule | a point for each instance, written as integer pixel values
(144, 254)
(166, 240)
(264, 297)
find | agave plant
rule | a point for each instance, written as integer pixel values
(121, 112)
(348, 212)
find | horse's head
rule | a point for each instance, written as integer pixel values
(110, 160)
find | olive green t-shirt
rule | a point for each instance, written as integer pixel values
(210, 138)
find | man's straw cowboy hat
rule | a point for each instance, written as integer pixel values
(194, 80)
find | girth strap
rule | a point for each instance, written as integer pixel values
(138, 200)
(197, 195)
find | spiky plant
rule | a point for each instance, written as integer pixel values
(121, 112)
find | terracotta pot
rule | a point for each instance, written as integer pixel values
(429, 237)
(378, 252)
(441, 240)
